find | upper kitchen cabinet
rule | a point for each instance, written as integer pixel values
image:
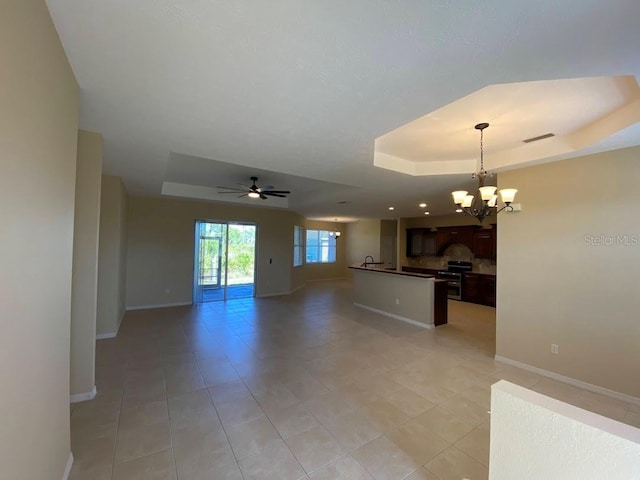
(484, 243)
(449, 235)
(420, 242)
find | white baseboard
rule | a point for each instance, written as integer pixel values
(397, 317)
(83, 397)
(102, 336)
(279, 294)
(332, 279)
(571, 381)
(67, 469)
(160, 305)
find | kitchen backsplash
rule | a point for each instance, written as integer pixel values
(457, 251)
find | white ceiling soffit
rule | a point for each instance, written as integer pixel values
(579, 112)
(195, 177)
(304, 87)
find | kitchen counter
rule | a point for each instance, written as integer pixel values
(416, 298)
(392, 271)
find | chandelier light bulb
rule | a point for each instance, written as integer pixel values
(508, 195)
(487, 192)
(487, 200)
(458, 196)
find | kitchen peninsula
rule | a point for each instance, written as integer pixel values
(414, 298)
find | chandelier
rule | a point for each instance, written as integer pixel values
(485, 204)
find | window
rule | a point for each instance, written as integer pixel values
(298, 245)
(321, 246)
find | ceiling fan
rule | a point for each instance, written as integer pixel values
(254, 191)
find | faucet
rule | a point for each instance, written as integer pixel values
(366, 262)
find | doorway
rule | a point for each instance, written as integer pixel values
(224, 263)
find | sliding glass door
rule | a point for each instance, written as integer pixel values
(224, 263)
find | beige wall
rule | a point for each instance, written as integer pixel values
(112, 256)
(324, 271)
(553, 287)
(38, 143)
(161, 247)
(363, 238)
(85, 263)
(388, 242)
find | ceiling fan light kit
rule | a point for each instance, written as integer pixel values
(256, 192)
(485, 204)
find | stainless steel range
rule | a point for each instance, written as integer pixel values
(453, 274)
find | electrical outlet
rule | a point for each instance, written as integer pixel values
(554, 349)
(397, 301)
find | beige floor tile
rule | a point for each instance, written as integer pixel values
(422, 474)
(136, 442)
(383, 415)
(352, 430)
(443, 424)
(454, 464)
(252, 437)
(433, 393)
(192, 408)
(466, 410)
(158, 466)
(215, 375)
(274, 463)
(276, 396)
(183, 383)
(310, 359)
(93, 453)
(385, 460)
(315, 448)
(199, 435)
(290, 421)
(229, 391)
(98, 473)
(480, 395)
(198, 458)
(344, 469)
(146, 414)
(239, 411)
(409, 402)
(329, 405)
(144, 392)
(476, 443)
(418, 442)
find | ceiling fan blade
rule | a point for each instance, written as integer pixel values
(236, 192)
(282, 192)
(243, 195)
(266, 187)
(232, 188)
(263, 197)
(274, 194)
(247, 187)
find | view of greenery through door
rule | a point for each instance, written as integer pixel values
(224, 261)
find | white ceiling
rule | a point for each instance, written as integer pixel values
(300, 89)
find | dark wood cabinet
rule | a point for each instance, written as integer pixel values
(421, 242)
(449, 235)
(479, 288)
(484, 243)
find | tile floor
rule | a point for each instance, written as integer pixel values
(298, 387)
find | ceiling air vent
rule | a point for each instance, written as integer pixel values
(539, 137)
